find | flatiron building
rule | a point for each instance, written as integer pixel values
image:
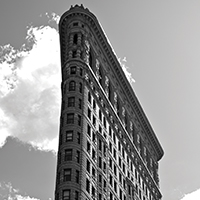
(107, 147)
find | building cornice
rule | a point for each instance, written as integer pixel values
(112, 58)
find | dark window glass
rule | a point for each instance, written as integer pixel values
(80, 104)
(81, 72)
(79, 120)
(66, 195)
(87, 185)
(78, 156)
(73, 70)
(67, 174)
(68, 154)
(72, 86)
(89, 97)
(69, 136)
(80, 87)
(75, 38)
(78, 137)
(70, 118)
(77, 176)
(71, 102)
(76, 195)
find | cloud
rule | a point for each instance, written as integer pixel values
(8, 192)
(192, 196)
(125, 69)
(30, 89)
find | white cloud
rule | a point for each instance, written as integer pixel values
(30, 89)
(8, 192)
(192, 196)
(125, 69)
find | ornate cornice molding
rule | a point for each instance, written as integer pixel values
(111, 57)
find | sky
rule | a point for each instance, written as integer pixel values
(158, 42)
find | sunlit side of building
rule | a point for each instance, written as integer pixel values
(107, 147)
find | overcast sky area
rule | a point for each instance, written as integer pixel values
(159, 44)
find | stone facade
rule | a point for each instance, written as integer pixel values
(107, 148)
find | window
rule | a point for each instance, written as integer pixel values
(100, 179)
(78, 137)
(114, 154)
(94, 104)
(80, 104)
(71, 102)
(88, 147)
(115, 170)
(68, 154)
(93, 191)
(81, 71)
(110, 163)
(111, 180)
(80, 87)
(89, 114)
(100, 115)
(72, 86)
(74, 54)
(66, 195)
(79, 120)
(104, 122)
(94, 121)
(120, 162)
(111, 196)
(69, 136)
(73, 70)
(88, 130)
(88, 165)
(76, 195)
(93, 154)
(70, 118)
(78, 156)
(93, 172)
(89, 97)
(115, 186)
(87, 185)
(75, 38)
(77, 176)
(110, 146)
(67, 174)
(100, 145)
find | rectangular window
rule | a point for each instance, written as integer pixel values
(67, 174)
(88, 130)
(89, 114)
(80, 87)
(76, 195)
(88, 166)
(88, 147)
(111, 180)
(73, 70)
(77, 176)
(94, 104)
(80, 104)
(87, 185)
(78, 137)
(79, 120)
(100, 115)
(89, 97)
(100, 145)
(68, 154)
(69, 136)
(81, 71)
(78, 156)
(70, 118)
(104, 122)
(71, 102)
(94, 121)
(66, 194)
(115, 186)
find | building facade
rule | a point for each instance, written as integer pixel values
(107, 148)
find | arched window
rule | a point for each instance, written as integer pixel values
(75, 38)
(72, 86)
